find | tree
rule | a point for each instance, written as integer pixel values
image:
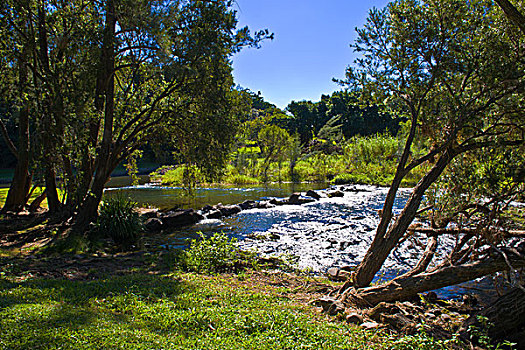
(455, 70)
(273, 142)
(107, 77)
(14, 85)
(51, 43)
(308, 118)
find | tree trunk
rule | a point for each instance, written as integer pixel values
(37, 202)
(53, 201)
(89, 209)
(364, 275)
(21, 183)
(106, 159)
(403, 288)
(382, 245)
(513, 14)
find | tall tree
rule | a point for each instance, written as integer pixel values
(15, 83)
(455, 71)
(166, 67)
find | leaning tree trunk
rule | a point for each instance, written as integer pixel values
(382, 245)
(406, 287)
(512, 13)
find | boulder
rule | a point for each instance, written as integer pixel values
(149, 213)
(336, 193)
(354, 318)
(228, 210)
(276, 201)
(153, 225)
(370, 325)
(332, 273)
(338, 275)
(297, 199)
(248, 205)
(264, 205)
(214, 214)
(206, 208)
(181, 217)
(313, 194)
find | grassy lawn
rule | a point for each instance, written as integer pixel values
(36, 193)
(140, 310)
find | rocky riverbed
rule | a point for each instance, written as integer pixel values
(334, 229)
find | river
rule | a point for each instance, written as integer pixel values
(331, 232)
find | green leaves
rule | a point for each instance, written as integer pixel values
(119, 220)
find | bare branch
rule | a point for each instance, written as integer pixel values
(7, 139)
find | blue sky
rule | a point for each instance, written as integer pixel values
(311, 46)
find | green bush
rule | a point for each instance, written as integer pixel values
(216, 254)
(118, 220)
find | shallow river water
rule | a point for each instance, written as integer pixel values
(331, 232)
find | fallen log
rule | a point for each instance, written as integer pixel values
(407, 287)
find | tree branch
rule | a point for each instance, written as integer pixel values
(7, 139)
(512, 14)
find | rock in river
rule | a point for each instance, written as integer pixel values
(181, 217)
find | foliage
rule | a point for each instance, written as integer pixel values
(273, 142)
(119, 220)
(215, 254)
(340, 115)
(478, 189)
(238, 179)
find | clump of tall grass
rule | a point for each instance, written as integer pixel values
(371, 149)
(214, 254)
(119, 220)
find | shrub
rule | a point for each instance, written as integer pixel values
(119, 221)
(216, 254)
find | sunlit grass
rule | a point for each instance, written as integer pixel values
(38, 191)
(185, 311)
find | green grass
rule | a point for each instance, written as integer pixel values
(36, 193)
(187, 311)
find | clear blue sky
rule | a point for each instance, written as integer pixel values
(311, 46)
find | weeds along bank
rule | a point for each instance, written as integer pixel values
(361, 160)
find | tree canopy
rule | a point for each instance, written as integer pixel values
(95, 81)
